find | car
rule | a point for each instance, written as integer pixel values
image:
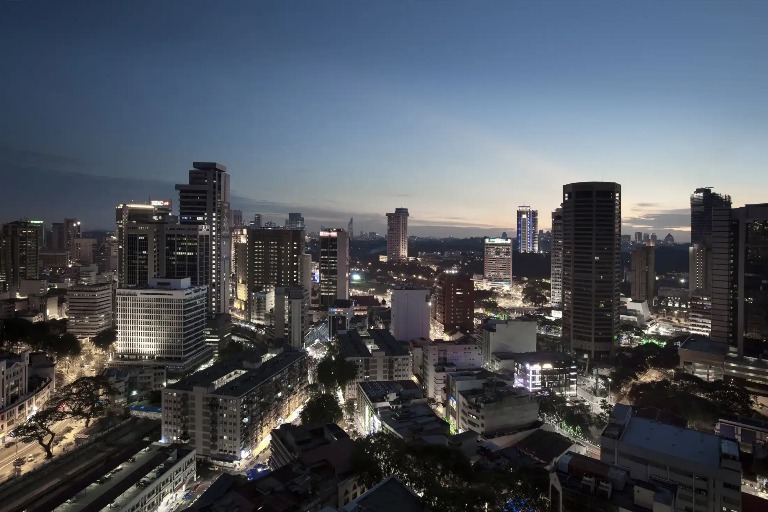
(132, 459)
(31, 458)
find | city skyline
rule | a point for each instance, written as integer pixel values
(431, 109)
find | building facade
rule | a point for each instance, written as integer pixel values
(527, 229)
(497, 262)
(556, 278)
(397, 235)
(204, 201)
(410, 313)
(591, 267)
(27, 381)
(226, 410)
(89, 309)
(20, 244)
(453, 304)
(162, 325)
(546, 372)
(515, 335)
(643, 268)
(334, 266)
(378, 356)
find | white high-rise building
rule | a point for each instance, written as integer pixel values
(161, 325)
(497, 266)
(397, 235)
(527, 229)
(89, 309)
(556, 279)
(410, 313)
(205, 202)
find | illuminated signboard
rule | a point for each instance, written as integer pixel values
(498, 241)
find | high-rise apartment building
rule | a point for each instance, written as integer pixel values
(350, 228)
(275, 257)
(397, 235)
(410, 313)
(239, 287)
(290, 315)
(334, 266)
(236, 219)
(19, 253)
(643, 280)
(591, 267)
(638, 237)
(497, 263)
(161, 325)
(89, 309)
(453, 302)
(185, 251)
(294, 221)
(556, 277)
(527, 229)
(204, 201)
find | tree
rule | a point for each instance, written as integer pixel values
(40, 428)
(64, 346)
(85, 397)
(334, 372)
(533, 295)
(321, 409)
(105, 339)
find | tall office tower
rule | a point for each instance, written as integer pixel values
(643, 264)
(256, 222)
(739, 277)
(397, 235)
(89, 309)
(185, 251)
(138, 241)
(527, 229)
(638, 237)
(19, 253)
(334, 266)
(64, 235)
(161, 325)
(703, 201)
(294, 221)
(654, 239)
(239, 273)
(82, 250)
(497, 263)
(205, 202)
(350, 228)
(274, 259)
(236, 220)
(453, 304)
(410, 313)
(591, 267)
(646, 238)
(556, 278)
(105, 255)
(700, 266)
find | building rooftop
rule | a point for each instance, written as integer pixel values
(252, 374)
(703, 344)
(411, 421)
(387, 342)
(542, 357)
(697, 447)
(379, 390)
(491, 393)
(354, 345)
(390, 494)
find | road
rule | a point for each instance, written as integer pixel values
(8, 455)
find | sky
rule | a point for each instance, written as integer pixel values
(459, 111)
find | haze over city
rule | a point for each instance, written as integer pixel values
(459, 111)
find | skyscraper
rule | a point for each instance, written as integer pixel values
(205, 201)
(591, 267)
(397, 235)
(20, 243)
(739, 277)
(138, 243)
(294, 221)
(643, 264)
(236, 219)
(350, 228)
(334, 266)
(556, 278)
(703, 200)
(497, 263)
(527, 229)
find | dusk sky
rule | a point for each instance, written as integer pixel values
(459, 111)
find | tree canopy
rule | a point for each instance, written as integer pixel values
(333, 372)
(320, 409)
(444, 477)
(85, 397)
(46, 336)
(40, 428)
(105, 339)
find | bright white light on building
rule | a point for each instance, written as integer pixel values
(356, 277)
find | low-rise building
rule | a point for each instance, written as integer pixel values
(546, 372)
(26, 383)
(437, 357)
(750, 433)
(142, 481)
(494, 408)
(225, 410)
(396, 407)
(514, 335)
(288, 442)
(378, 356)
(703, 358)
(705, 468)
